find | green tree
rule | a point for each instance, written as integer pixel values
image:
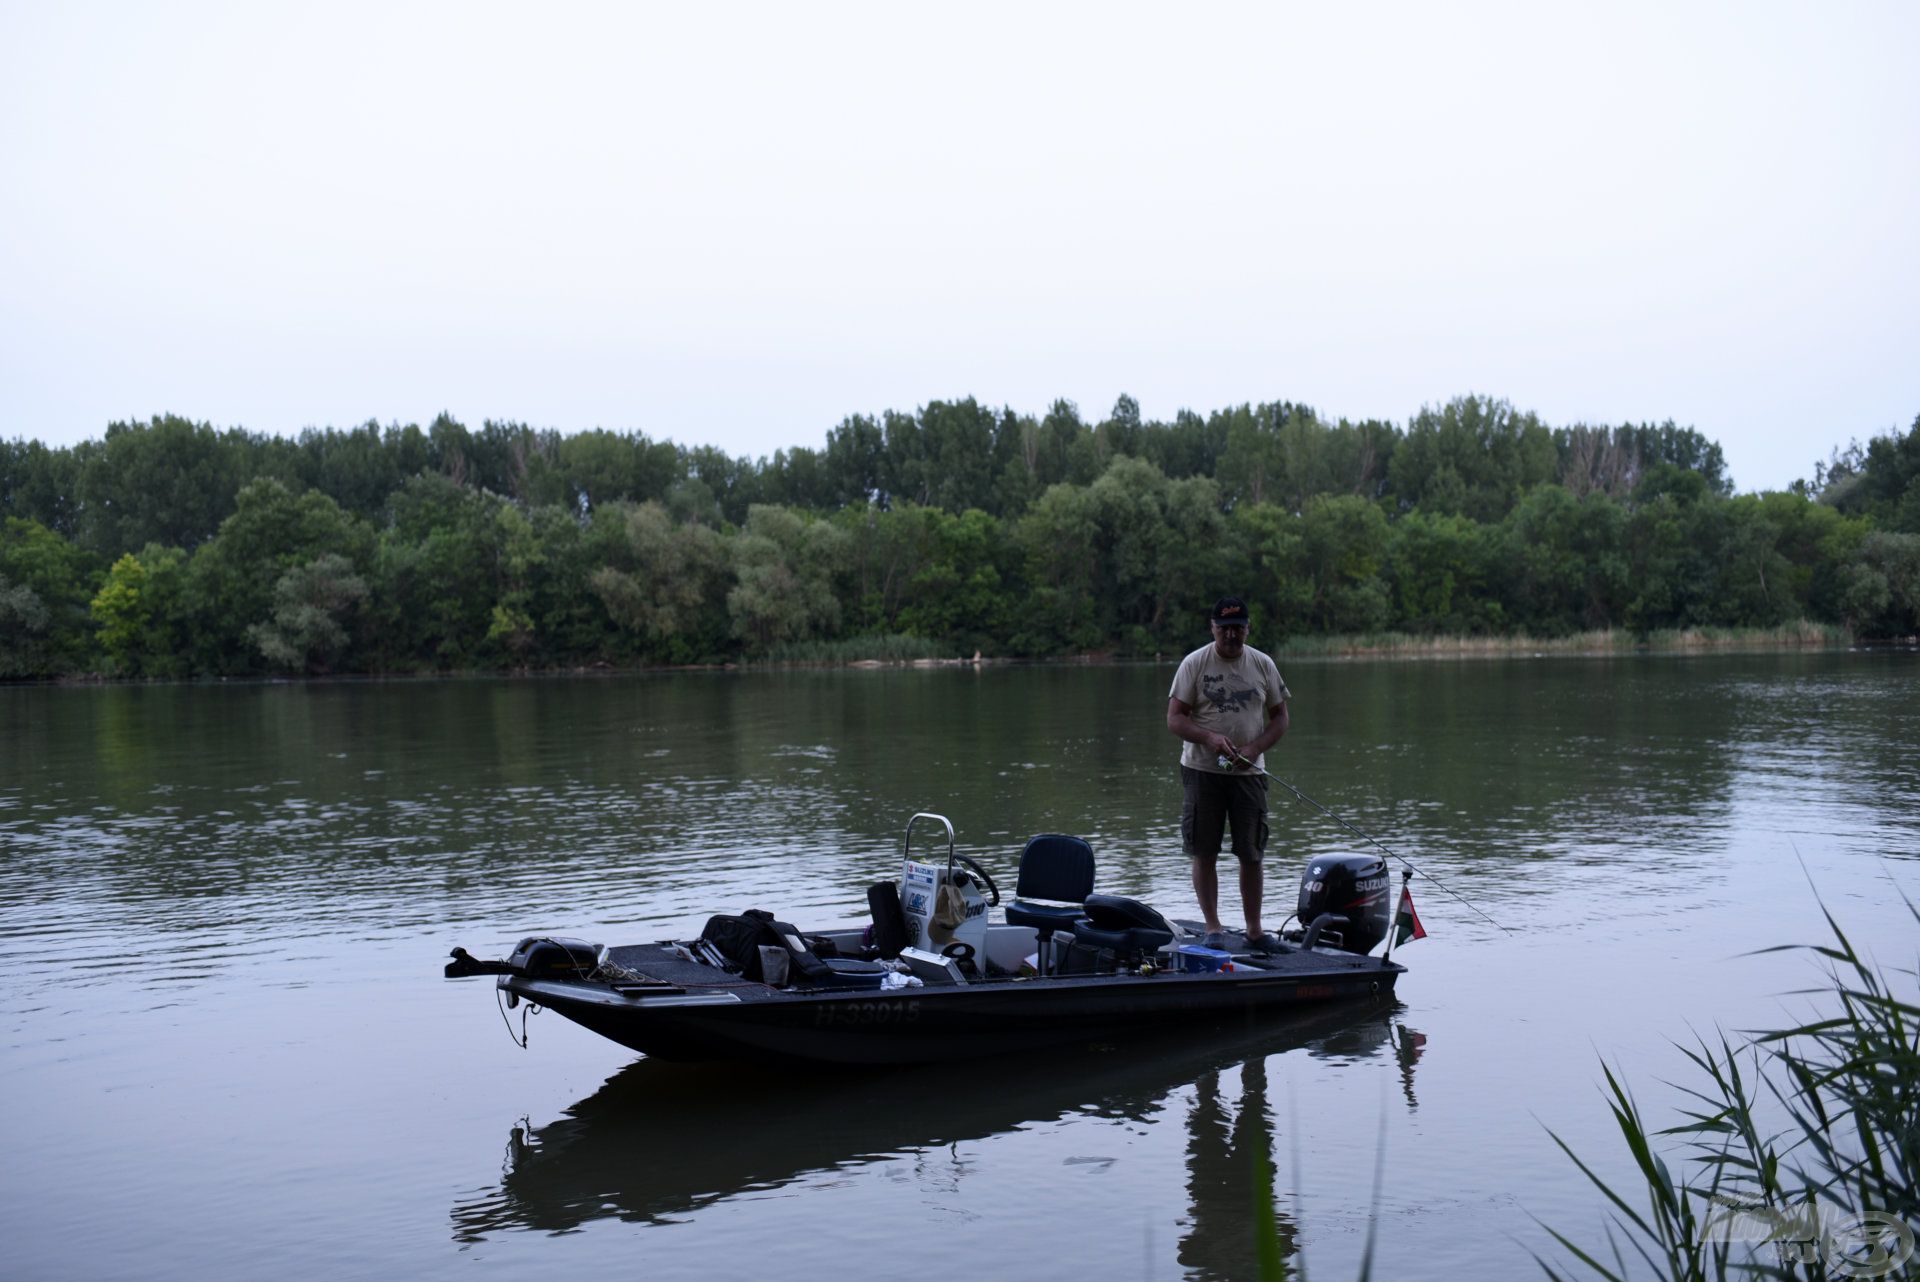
(888, 548)
(1122, 429)
(519, 564)
(798, 478)
(569, 624)
(1565, 565)
(733, 482)
(39, 484)
(141, 613)
(1881, 586)
(956, 593)
(1343, 544)
(1670, 579)
(1132, 544)
(1474, 456)
(856, 461)
(1881, 481)
(436, 576)
(514, 460)
(169, 481)
(603, 468)
(1812, 541)
(665, 583)
(121, 613)
(1319, 571)
(1440, 569)
(928, 573)
(1188, 446)
(48, 584)
(1757, 583)
(957, 441)
(313, 607)
(1269, 553)
(1251, 469)
(1282, 452)
(1066, 447)
(361, 467)
(785, 569)
(23, 630)
(1058, 538)
(450, 450)
(232, 581)
(1197, 561)
(1614, 460)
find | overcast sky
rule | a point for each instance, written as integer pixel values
(737, 225)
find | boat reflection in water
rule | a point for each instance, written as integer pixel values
(658, 1140)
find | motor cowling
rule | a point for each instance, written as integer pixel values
(1355, 887)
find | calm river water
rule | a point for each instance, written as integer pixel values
(228, 1051)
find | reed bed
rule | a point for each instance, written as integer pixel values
(1801, 635)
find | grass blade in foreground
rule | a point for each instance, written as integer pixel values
(1806, 1160)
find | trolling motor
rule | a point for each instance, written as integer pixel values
(1343, 902)
(536, 957)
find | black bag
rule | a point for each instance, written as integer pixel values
(741, 938)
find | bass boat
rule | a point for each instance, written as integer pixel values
(933, 978)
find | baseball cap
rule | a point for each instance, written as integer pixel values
(1230, 609)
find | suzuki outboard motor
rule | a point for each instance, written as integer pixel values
(1343, 901)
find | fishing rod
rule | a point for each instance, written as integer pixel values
(1259, 770)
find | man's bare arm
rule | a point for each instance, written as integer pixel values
(1277, 721)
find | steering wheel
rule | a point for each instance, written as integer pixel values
(993, 891)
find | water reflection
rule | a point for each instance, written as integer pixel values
(1230, 1178)
(194, 878)
(659, 1141)
(499, 801)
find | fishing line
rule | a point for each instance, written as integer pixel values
(1363, 836)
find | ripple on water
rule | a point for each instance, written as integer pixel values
(224, 909)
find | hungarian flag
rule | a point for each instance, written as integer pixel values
(1406, 922)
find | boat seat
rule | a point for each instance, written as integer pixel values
(1124, 927)
(1052, 867)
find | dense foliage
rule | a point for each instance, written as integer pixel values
(170, 548)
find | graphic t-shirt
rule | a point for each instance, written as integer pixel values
(1231, 698)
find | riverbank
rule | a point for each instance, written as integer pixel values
(917, 652)
(898, 651)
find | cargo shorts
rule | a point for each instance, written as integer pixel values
(1214, 802)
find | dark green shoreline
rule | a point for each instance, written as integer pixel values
(1398, 648)
(173, 550)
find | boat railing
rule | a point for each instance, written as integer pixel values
(906, 841)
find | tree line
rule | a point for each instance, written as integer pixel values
(174, 549)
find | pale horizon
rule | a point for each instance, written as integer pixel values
(738, 228)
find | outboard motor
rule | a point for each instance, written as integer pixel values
(1343, 901)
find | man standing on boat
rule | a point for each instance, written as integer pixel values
(1230, 705)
